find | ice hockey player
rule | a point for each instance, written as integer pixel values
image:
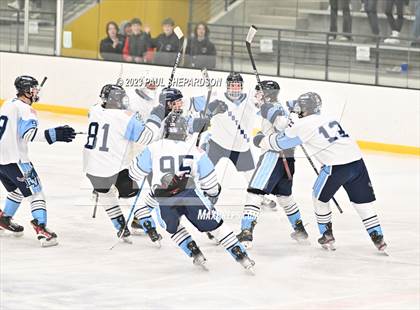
(170, 99)
(113, 130)
(342, 166)
(18, 127)
(143, 99)
(230, 134)
(184, 183)
(271, 174)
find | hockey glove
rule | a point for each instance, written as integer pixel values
(200, 124)
(61, 133)
(217, 107)
(258, 138)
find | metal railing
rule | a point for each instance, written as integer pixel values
(313, 55)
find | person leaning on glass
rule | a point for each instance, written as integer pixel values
(200, 51)
(111, 47)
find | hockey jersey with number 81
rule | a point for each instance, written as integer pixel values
(111, 134)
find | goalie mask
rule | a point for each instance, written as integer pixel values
(114, 97)
(234, 85)
(267, 91)
(176, 127)
(27, 86)
(171, 98)
(307, 104)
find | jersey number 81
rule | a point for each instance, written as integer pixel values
(92, 137)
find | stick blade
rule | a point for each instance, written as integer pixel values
(251, 34)
(178, 32)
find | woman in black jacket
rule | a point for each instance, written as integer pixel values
(111, 47)
(200, 50)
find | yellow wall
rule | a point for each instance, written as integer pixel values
(89, 29)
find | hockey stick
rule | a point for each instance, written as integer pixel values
(317, 173)
(129, 215)
(250, 36)
(180, 35)
(209, 87)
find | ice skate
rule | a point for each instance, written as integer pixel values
(152, 233)
(6, 223)
(378, 241)
(327, 240)
(246, 236)
(197, 255)
(242, 257)
(45, 236)
(300, 234)
(123, 233)
(211, 237)
(269, 204)
(136, 228)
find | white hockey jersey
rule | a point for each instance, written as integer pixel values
(111, 136)
(141, 101)
(177, 158)
(232, 130)
(324, 138)
(18, 127)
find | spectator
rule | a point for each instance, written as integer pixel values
(372, 13)
(111, 47)
(125, 29)
(416, 26)
(395, 25)
(345, 6)
(137, 43)
(201, 52)
(166, 44)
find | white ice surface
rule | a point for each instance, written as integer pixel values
(82, 273)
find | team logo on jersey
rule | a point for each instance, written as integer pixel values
(204, 50)
(30, 178)
(168, 47)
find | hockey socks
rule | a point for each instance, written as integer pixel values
(13, 202)
(323, 215)
(290, 208)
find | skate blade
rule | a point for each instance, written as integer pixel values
(304, 242)
(247, 244)
(250, 270)
(137, 232)
(157, 243)
(8, 233)
(48, 243)
(328, 247)
(201, 265)
(127, 240)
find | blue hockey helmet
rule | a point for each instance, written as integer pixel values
(114, 97)
(308, 104)
(270, 89)
(168, 97)
(24, 85)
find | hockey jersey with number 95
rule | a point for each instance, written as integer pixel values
(111, 135)
(177, 158)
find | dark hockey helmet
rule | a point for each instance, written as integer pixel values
(114, 97)
(270, 89)
(308, 104)
(234, 85)
(169, 97)
(176, 127)
(27, 86)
